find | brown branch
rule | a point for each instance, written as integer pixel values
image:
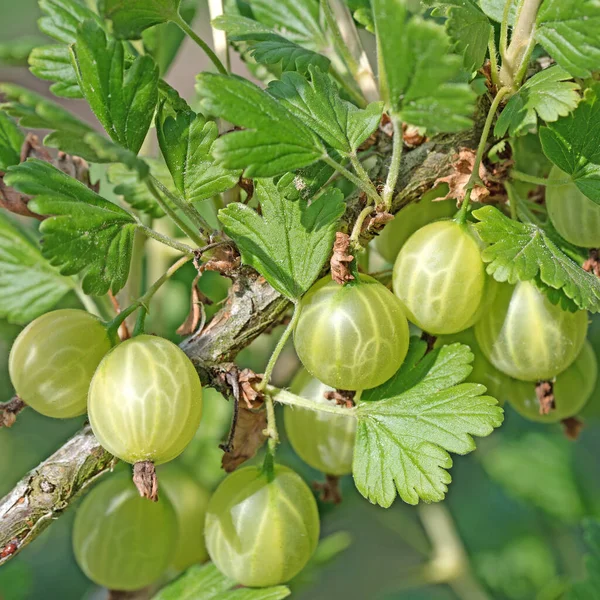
(252, 307)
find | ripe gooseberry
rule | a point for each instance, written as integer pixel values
(145, 400)
(573, 214)
(353, 336)
(121, 541)
(526, 336)
(572, 390)
(411, 218)
(53, 360)
(323, 440)
(261, 531)
(440, 278)
(189, 500)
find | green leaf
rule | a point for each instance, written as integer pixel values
(274, 141)
(419, 70)
(53, 63)
(494, 9)
(469, 29)
(206, 582)
(572, 144)
(291, 241)
(548, 94)
(317, 103)
(11, 140)
(549, 467)
(62, 18)
(131, 17)
(588, 588)
(102, 150)
(523, 251)
(267, 47)
(306, 182)
(85, 234)
(136, 192)
(408, 426)
(569, 30)
(186, 140)
(122, 98)
(297, 21)
(29, 286)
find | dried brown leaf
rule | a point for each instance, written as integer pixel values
(458, 179)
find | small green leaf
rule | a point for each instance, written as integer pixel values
(305, 183)
(523, 251)
(571, 143)
(291, 241)
(468, 28)
(53, 63)
(408, 426)
(85, 234)
(102, 150)
(317, 103)
(274, 141)
(569, 30)
(186, 140)
(267, 47)
(419, 71)
(548, 94)
(122, 98)
(11, 140)
(588, 588)
(206, 582)
(29, 286)
(549, 467)
(494, 9)
(61, 18)
(136, 192)
(131, 17)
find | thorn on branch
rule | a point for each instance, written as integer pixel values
(592, 264)
(572, 427)
(341, 259)
(544, 390)
(329, 490)
(144, 477)
(9, 411)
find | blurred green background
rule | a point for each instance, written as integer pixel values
(517, 503)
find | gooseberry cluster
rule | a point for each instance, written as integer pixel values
(143, 396)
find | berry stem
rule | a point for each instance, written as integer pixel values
(365, 186)
(167, 241)
(538, 180)
(211, 55)
(396, 160)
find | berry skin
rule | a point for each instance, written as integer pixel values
(572, 390)
(440, 278)
(53, 360)
(260, 532)
(324, 441)
(353, 336)
(121, 540)
(574, 215)
(411, 218)
(527, 337)
(189, 500)
(145, 400)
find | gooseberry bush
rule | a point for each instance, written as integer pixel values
(411, 188)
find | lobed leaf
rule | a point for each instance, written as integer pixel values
(291, 241)
(186, 140)
(317, 103)
(570, 32)
(408, 426)
(548, 94)
(61, 19)
(274, 141)
(11, 140)
(29, 285)
(53, 63)
(523, 251)
(206, 582)
(572, 144)
(123, 99)
(419, 71)
(85, 233)
(131, 17)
